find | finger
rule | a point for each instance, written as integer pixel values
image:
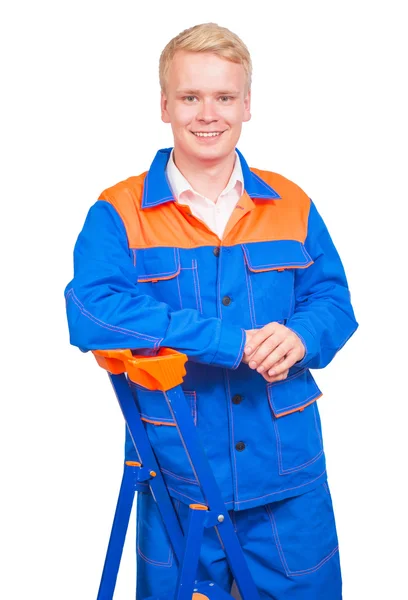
(251, 356)
(280, 377)
(278, 353)
(286, 364)
(246, 358)
(255, 341)
(263, 351)
(259, 337)
(278, 363)
(267, 346)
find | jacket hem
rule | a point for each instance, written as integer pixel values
(280, 495)
(260, 500)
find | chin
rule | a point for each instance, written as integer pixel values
(211, 154)
(216, 151)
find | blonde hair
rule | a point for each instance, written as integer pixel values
(207, 37)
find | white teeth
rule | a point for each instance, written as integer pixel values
(208, 134)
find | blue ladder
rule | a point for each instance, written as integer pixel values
(165, 372)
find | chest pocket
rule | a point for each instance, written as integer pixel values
(270, 278)
(161, 274)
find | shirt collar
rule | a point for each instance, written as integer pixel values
(156, 188)
(179, 184)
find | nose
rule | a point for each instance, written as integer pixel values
(207, 112)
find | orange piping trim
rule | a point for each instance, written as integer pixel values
(160, 278)
(289, 412)
(279, 268)
(158, 422)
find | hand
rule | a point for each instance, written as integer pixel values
(272, 351)
(248, 342)
(247, 357)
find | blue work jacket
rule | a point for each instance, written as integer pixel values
(148, 274)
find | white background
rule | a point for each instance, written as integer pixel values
(80, 112)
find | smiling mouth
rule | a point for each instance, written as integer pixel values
(207, 134)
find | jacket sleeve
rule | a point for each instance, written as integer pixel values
(323, 317)
(106, 310)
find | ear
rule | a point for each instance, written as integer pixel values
(247, 106)
(163, 105)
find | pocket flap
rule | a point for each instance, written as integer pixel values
(275, 256)
(293, 394)
(155, 264)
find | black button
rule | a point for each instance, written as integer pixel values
(240, 446)
(216, 251)
(237, 399)
(226, 301)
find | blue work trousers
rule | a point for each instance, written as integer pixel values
(291, 548)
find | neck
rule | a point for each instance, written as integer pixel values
(208, 178)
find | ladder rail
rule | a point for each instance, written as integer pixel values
(166, 372)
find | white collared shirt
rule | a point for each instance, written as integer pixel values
(214, 214)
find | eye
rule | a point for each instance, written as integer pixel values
(225, 99)
(189, 99)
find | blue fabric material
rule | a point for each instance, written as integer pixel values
(322, 316)
(119, 299)
(291, 548)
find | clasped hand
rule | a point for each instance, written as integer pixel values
(272, 351)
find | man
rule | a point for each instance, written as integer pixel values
(235, 268)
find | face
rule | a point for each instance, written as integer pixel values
(205, 94)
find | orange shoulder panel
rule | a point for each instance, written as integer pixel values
(282, 219)
(171, 224)
(168, 224)
(126, 197)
